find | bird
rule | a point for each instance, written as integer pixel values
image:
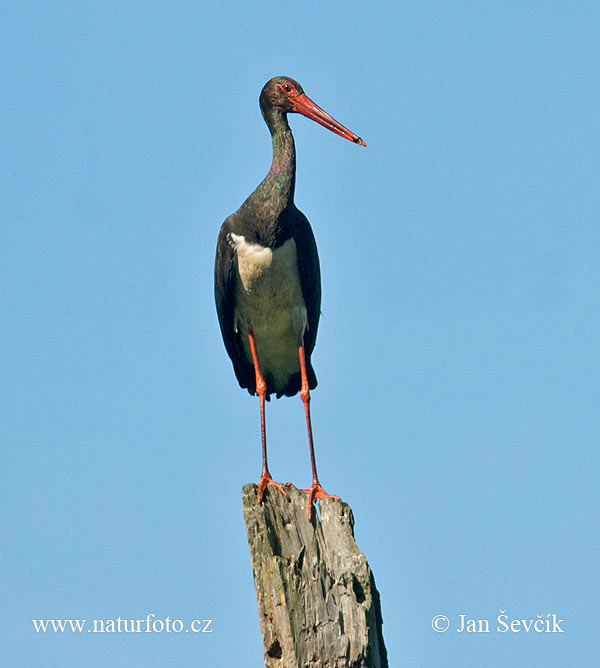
(267, 277)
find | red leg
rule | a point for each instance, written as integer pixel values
(315, 491)
(261, 390)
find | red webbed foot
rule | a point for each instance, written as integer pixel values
(265, 479)
(314, 492)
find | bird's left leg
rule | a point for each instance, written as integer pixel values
(315, 491)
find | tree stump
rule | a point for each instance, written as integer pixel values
(317, 601)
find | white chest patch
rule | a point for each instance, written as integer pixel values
(252, 259)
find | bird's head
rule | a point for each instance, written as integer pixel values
(285, 95)
(279, 94)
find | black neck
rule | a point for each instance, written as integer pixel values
(281, 179)
(275, 194)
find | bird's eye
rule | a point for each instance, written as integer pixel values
(287, 88)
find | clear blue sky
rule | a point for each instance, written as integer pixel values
(458, 359)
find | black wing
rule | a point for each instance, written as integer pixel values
(225, 301)
(310, 277)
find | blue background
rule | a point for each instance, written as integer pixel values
(458, 358)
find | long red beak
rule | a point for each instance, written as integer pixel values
(305, 106)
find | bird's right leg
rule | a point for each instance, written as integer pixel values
(261, 390)
(315, 491)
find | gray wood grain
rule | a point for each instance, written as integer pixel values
(317, 601)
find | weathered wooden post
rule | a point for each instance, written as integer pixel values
(317, 601)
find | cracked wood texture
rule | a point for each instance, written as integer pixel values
(317, 601)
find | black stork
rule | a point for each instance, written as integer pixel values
(267, 276)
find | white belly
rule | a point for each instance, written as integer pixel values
(269, 301)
